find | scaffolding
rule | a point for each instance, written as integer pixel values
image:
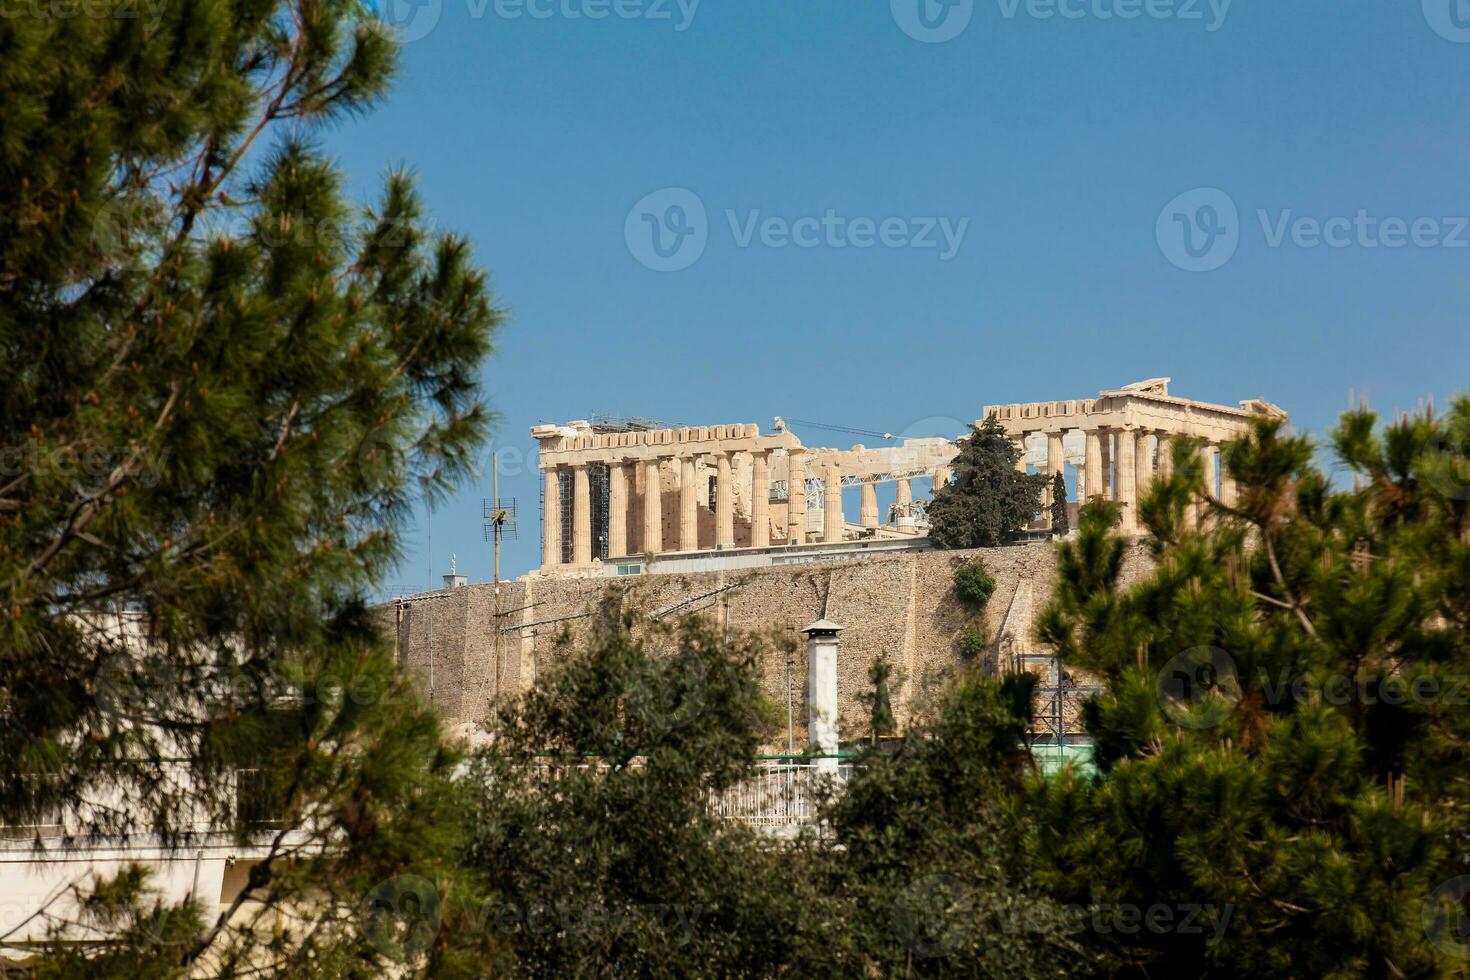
(1058, 718)
(603, 422)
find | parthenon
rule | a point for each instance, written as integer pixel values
(617, 497)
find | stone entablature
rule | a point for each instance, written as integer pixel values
(1146, 404)
(571, 444)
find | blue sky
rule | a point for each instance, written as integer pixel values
(1067, 156)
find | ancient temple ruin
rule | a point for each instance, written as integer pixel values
(1118, 441)
(626, 499)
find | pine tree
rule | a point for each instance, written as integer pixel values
(1282, 736)
(1060, 521)
(989, 502)
(223, 385)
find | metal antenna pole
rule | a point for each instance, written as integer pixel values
(495, 548)
(495, 496)
(500, 519)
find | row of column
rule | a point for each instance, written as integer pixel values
(620, 476)
(1134, 469)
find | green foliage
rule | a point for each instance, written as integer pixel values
(1060, 520)
(973, 585)
(925, 857)
(589, 823)
(224, 382)
(988, 503)
(971, 643)
(1279, 733)
(880, 704)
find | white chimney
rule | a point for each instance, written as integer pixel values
(821, 688)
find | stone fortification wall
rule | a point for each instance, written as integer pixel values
(901, 607)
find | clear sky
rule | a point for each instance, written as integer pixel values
(976, 201)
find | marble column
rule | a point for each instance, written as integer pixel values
(904, 500)
(1021, 459)
(1229, 495)
(1127, 472)
(688, 504)
(617, 509)
(581, 516)
(796, 498)
(551, 518)
(1166, 454)
(760, 500)
(832, 503)
(1092, 469)
(868, 510)
(1143, 468)
(1207, 457)
(1105, 480)
(653, 509)
(724, 502)
(941, 478)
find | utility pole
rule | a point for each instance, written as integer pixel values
(500, 520)
(495, 496)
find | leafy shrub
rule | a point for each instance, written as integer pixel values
(973, 585)
(971, 643)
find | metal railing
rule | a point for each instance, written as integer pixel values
(781, 791)
(779, 794)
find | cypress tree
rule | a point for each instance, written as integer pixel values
(878, 700)
(989, 502)
(1060, 520)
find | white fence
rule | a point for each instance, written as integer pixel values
(778, 795)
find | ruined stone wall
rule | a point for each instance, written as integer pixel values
(899, 606)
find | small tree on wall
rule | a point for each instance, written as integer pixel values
(879, 701)
(973, 586)
(990, 501)
(1059, 523)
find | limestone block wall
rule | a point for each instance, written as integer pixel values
(901, 607)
